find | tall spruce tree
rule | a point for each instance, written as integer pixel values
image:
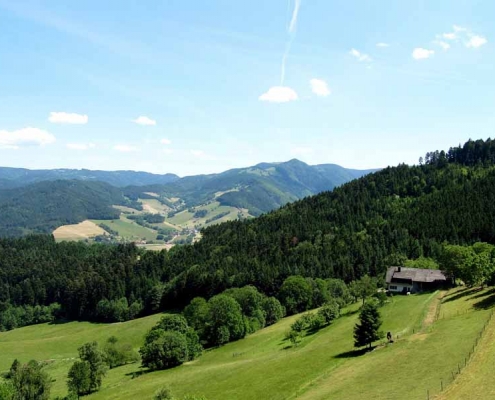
(367, 330)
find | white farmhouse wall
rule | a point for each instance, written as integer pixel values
(399, 287)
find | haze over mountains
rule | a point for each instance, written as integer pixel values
(42, 200)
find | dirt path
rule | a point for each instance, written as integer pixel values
(434, 309)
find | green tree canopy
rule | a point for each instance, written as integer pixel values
(296, 294)
(225, 320)
(79, 378)
(90, 353)
(367, 330)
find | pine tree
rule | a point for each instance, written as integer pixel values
(367, 330)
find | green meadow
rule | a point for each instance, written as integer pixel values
(265, 366)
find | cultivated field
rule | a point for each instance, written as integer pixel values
(84, 230)
(324, 365)
(129, 229)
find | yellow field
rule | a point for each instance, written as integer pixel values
(81, 231)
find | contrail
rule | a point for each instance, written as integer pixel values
(291, 30)
(293, 21)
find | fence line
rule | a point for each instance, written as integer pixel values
(444, 383)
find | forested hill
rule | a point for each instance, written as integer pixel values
(260, 188)
(359, 228)
(18, 177)
(44, 206)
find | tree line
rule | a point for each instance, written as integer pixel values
(358, 229)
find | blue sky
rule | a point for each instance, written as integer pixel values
(194, 87)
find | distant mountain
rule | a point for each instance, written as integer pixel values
(42, 200)
(259, 189)
(44, 206)
(18, 177)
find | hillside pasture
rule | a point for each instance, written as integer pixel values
(265, 366)
(84, 230)
(129, 229)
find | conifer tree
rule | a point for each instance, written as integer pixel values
(367, 330)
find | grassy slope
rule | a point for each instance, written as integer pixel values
(129, 229)
(476, 381)
(264, 366)
(59, 342)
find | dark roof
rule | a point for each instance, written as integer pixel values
(414, 274)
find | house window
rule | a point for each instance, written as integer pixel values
(393, 287)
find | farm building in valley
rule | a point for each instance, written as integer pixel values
(403, 280)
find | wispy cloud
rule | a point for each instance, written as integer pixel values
(145, 121)
(361, 57)
(421, 54)
(67, 118)
(166, 141)
(80, 146)
(464, 35)
(442, 44)
(40, 15)
(283, 94)
(319, 87)
(382, 44)
(279, 94)
(125, 148)
(25, 137)
(295, 15)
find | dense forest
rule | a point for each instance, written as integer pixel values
(44, 206)
(18, 177)
(358, 229)
(36, 202)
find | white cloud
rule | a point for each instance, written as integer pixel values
(381, 44)
(67, 118)
(143, 120)
(80, 146)
(420, 54)
(319, 87)
(360, 56)
(469, 39)
(25, 137)
(197, 153)
(124, 148)
(165, 141)
(476, 41)
(279, 94)
(442, 44)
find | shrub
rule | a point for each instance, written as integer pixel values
(329, 312)
(167, 350)
(273, 309)
(317, 322)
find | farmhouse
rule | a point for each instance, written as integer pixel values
(403, 280)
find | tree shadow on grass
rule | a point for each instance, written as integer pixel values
(349, 313)
(461, 294)
(137, 374)
(483, 294)
(60, 322)
(354, 353)
(486, 303)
